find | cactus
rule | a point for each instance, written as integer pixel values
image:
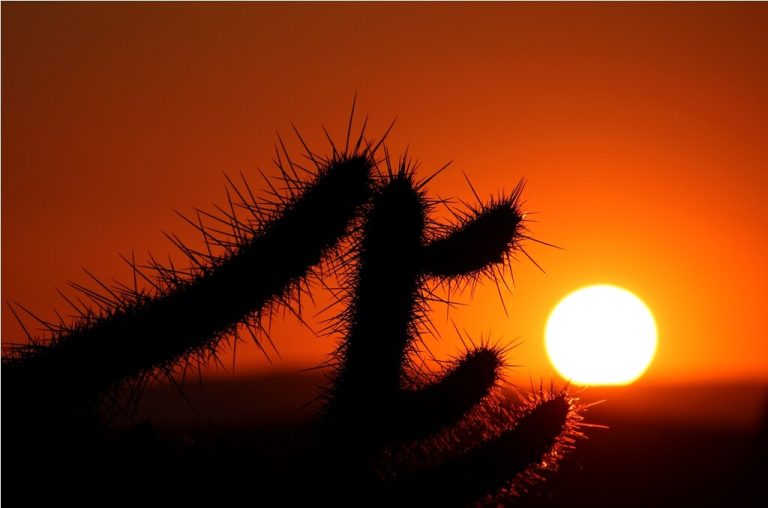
(135, 332)
(370, 406)
(398, 438)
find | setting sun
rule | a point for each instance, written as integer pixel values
(601, 335)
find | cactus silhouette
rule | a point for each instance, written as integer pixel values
(133, 333)
(370, 405)
(396, 439)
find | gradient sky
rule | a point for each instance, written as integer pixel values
(640, 129)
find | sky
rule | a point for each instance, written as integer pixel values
(640, 130)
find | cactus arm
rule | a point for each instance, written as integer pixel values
(145, 333)
(491, 466)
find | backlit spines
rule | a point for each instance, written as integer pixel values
(516, 445)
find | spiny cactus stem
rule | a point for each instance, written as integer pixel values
(426, 411)
(485, 469)
(153, 332)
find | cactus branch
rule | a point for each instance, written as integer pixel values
(370, 409)
(135, 333)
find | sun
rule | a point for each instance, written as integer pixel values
(601, 335)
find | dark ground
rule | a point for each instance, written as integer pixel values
(248, 441)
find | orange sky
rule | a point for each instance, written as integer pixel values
(640, 129)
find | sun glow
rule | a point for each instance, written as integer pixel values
(601, 335)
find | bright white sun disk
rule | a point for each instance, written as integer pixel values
(601, 335)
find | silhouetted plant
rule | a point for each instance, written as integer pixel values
(262, 260)
(398, 437)
(371, 406)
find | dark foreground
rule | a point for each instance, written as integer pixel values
(249, 442)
